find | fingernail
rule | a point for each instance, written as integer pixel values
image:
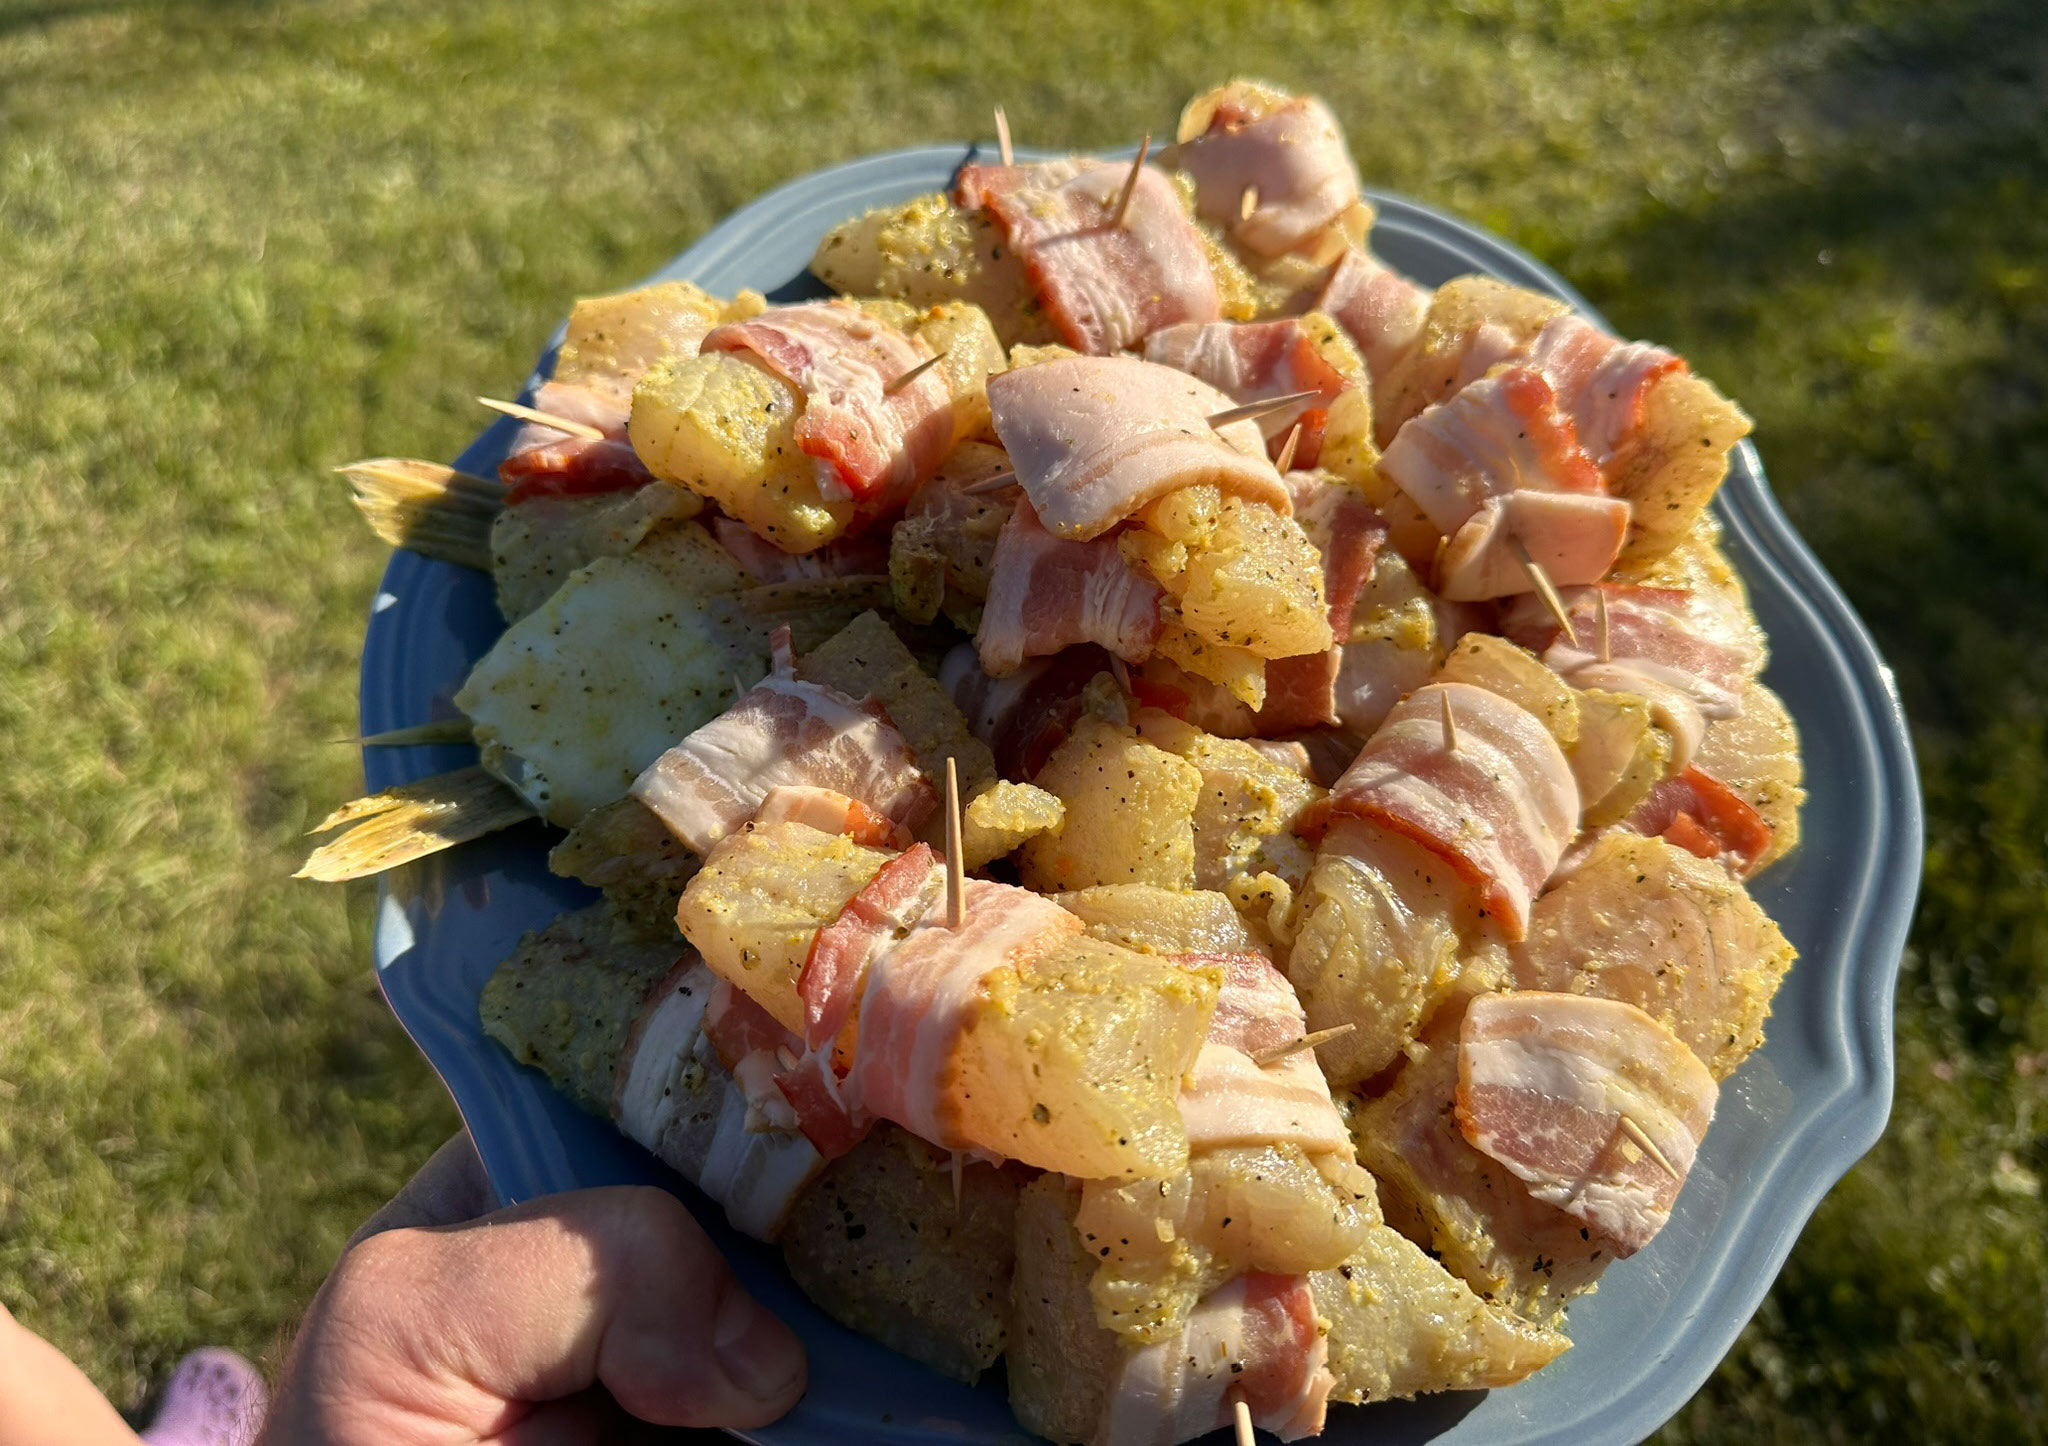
(758, 1353)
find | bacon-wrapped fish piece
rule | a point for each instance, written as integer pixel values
(1093, 439)
(1390, 1323)
(1271, 1185)
(1501, 805)
(1287, 152)
(1563, 1089)
(1464, 1207)
(1497, 465)
(1601, 381)
(784, 731)
(943, 548)
(1010, 1034)
(1106, 285)
(872, 444)
(677, 1098)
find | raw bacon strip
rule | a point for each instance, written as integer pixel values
(888, 906)
(674, 1096)
(873, 445)
(1094, 439)
(1497, 463)
(1106, 287)
(1501, 434)
(1025, 716)
(1546, 1083)
(1501, 807)
(547, 463)
(830, 812)
(1251, 361)
(1573, 537)
(917, 994)
(1301, 692)
(1382, 310)
(750, 1043)
(1227, 1099)
(784, 731)
(1294, 154)
(1704, 816)
(1662, 633)
(1254, 1339)
(1046, 594)
(1600, 380)
(866, 556)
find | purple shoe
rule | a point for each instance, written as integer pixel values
(214, 1398)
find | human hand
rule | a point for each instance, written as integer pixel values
(532, 1324)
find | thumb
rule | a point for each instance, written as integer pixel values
(469, 1326)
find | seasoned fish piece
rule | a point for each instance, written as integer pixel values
(631, 855)
(1651, 925)
(927, 252)
(1161, 1245)
(1380, 946)
(761, 898)
(564, 1000)
(536, 545)
(1161, 921)
(1245, 815)
(887, 1245)
(1400, 1325)
(568, 716)
(727, 430)
(1129, 813)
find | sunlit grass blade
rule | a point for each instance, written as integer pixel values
(428, 508)
(411, 821)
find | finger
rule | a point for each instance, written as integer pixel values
(451, 1187)
(616, 1287)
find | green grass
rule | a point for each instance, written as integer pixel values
(244, 242)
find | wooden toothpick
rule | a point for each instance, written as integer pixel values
(1242, 1415)
(545, 419)
(1295, 1046)
(1450, 723)
(1251, 410)
(1287, 447)
(913, 374)
(1602, 642)
(1123, 201)
(1545, 589)
(957, 1172)
(1247, 203)
(956, 877)
(1649, 1147)
(1003, 138)
(989, 484)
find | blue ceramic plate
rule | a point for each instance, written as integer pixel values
(1791, 1121)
